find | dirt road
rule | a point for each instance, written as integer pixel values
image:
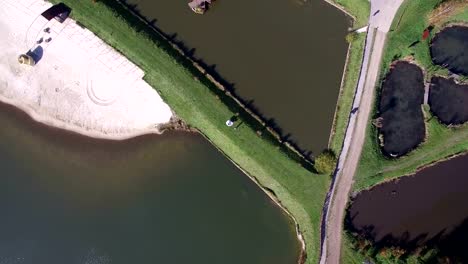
(381, 17)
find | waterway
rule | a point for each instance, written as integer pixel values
(286, 57)
(417, 209)
(170, 199)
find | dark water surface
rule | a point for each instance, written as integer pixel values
(166, 199)
(449, 101)
(448, 49)
(422, 207)
(402, 121)
(285, 55)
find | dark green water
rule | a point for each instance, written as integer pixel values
(286, 57)
(166, 199)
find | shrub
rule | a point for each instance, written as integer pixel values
(325, 162)
(352, 36)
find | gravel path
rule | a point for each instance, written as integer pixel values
(381, 17)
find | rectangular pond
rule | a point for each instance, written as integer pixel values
(284, 57)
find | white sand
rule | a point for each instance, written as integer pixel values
(80, 83)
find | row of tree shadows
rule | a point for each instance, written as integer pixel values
(245, 111)
(400, 118)
(441, 248)
(401, 128)
(422, 217)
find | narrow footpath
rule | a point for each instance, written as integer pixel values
(381, 17)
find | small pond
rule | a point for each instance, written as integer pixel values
(449, 49)
(402, 120)
(449, 101)
(423, 208)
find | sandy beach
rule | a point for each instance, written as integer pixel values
(79, 83)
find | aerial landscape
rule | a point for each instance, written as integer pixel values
(247, 131)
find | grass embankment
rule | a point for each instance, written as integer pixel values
(203, 106)
(441, 141)
(360, 11)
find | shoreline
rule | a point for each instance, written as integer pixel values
(67, 126)
(270, 193)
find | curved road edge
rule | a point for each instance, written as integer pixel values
(381, 17)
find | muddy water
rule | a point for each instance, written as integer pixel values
(166, 199)
(415, 209)
(284, 56)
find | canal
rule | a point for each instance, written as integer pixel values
(170, 199)
(416, 210)
(284, 57)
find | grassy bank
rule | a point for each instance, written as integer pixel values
(441, 141)
(200, 104)
(360, 11)
(345, 99)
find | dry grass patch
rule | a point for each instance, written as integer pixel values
(446, 10)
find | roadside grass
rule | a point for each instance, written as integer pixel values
(196, 101)
(360, 10)
(345, 99)
(349, 254)
(441, 141)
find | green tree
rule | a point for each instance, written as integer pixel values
(352, 36)
(325, 162)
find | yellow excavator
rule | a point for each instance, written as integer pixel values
(26, 59)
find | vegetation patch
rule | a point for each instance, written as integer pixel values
(448, 49)
(445, 11)
(449, 101)
(401, 121)
(325, 162)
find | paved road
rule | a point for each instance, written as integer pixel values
(381, 17)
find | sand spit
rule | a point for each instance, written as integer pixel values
(79, 83)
